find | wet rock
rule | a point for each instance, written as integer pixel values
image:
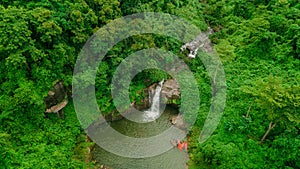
(178, 121)
(201, 41)
(170, 91)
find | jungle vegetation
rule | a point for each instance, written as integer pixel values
(258, 42)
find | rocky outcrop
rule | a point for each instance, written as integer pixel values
(178, 121)
(201, 41)
(58, 107)
(56, 99)
(170, 90)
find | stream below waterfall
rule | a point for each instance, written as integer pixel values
(154, 122)
(172, 159)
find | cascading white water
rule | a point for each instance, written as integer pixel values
(154, 111)
(156, 98)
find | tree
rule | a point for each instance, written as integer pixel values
(279, 102)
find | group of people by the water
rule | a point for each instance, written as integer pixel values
(180, 145)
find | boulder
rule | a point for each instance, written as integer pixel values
(56, 99)
(170, 90)
(178, 121)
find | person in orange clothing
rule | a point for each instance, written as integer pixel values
(181, 146)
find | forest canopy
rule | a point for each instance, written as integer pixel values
(257, 41)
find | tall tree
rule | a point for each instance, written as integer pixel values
(278, 101)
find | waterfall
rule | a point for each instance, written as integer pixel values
(154, 111)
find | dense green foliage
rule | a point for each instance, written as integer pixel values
(257, 41)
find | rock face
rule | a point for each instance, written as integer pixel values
(56, 99)
(170, 90)
(200, 41)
